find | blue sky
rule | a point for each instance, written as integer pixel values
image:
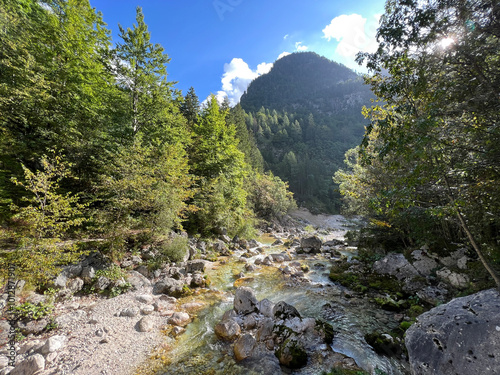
(220, 46)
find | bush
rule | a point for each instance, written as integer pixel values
(174, 250)
(44, 221)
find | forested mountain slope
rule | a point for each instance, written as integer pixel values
(305, 114)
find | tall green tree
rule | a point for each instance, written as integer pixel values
(190, 107)
(220, 170)
(55, 86)
(147, 186)
(437, 127)
(142, 74)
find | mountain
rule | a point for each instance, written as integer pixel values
(305, 114)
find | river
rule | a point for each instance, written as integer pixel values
(198, 351)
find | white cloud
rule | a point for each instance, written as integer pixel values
(299, 47)
(354, 34)
(264, 68)
(237, 76)
(286, 37)
(283, 54)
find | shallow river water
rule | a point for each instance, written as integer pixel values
(198, 351)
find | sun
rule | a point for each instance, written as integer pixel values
(446, 42)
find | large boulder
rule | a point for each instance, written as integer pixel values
(461, 337)
(311, 244)
(244, 346)
(284, 311)
(458, 280)
(197, 265)
(292, 354)
(245, 301)
(396, 265)
(31, 365)
(228, 330)
(423, 262)
(169, 286)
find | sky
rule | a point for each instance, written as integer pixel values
(219, 46)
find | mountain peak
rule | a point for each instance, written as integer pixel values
(296, 80)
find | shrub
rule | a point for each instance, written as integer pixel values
(44, 221)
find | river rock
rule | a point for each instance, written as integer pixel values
(311, 244)
(144, 298)
(33, 364)
(423, 263)
(292, 354)
(244, 346)
(284, 311)
(245, 301)
(228, 330)
(147, 310)
(461, 337)
(278, 258)
(146, 324)
(180, 319)
(137, 280)
(169, 286)
(197, 265)
(397, 265)
(457, 280)
(129, 312)
(198, 281)
(53, 343)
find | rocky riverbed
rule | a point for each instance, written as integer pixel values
(221, 310)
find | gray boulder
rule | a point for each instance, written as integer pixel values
(75, 285)
(146, 324)
(197, 265)
(396, 265)
(245, 301)
(102, 283)
(458, 280)
(169, 286)
(53, 343)
(244, 346)
(423, 262)
(228, 330)
(284, 311)
(31, 365)
(137, 280)
(461, 337)
(311, 244)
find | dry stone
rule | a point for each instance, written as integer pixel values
(245, 301)
(461, 337)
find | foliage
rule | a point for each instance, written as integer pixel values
(32, 311)
(219, 166)
(269, 197)
(433, 136)
(113, 273)
(146, 160)
(147, 188)
(173, 250)
(44, 221)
